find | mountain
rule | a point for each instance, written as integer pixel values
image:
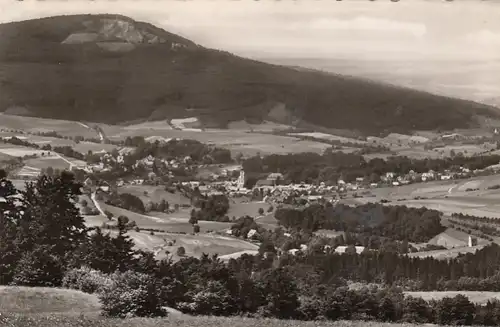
(112, 69)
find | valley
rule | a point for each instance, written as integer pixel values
(146, 177)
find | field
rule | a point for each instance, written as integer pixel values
(446, 254)
(453, 196)
(82, 147)
(155, 194)
(239, 137)
(235, 140)
(32, 124)
(452, 238)
(328, 137)
(5, 157)
(267, 221)
(44, 307)
(27, 300)
(266, 126)
(195, 245)
(177, 222)
(183, 321)
(240, 208)
(18, 151)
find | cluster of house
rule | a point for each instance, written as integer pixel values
(413, 177)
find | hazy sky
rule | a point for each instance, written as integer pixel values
(419, 29)
(450, 48)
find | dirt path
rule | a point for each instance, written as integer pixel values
(96, 203)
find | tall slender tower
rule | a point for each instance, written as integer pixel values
(241, 180)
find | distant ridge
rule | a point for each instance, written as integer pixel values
(110, 68)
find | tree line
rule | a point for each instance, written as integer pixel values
(334, 165)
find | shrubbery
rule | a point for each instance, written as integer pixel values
(86, 280)
(131, 294)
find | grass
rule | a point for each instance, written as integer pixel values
(54, 307)
(239, 209)
(176, 222)
(184, 321)
(446, 254)
(18, 151)
(195, 245)
(446, 196)
(32, 124)
(155, 194)
(450, 238)
(45, 162)
(82, 147)
(235, 140)
(34, 300)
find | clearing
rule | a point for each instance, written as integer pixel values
(452, 238)
(155, 193)
(446, 254)
(195, 245)
(239, 208)
(177, 222)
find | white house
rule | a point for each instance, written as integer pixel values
(343, 248)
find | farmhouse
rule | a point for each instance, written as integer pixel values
(275, 177)
(344, 249)
(264, 183)
(472, 241)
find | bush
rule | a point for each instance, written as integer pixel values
(86, 280)
(108, 214)
(39, 268)
(131, 294)
(181, 251)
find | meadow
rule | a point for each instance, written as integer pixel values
(155, 194)
(176, 227)
(33, 124)
(194, 245)
(452, 196)
(235, 140)
(34, 300)
(177, 222)
(328, 137)
(18, 151)
(239, 208)
(82, 147)
(202, 321)
(446, 254)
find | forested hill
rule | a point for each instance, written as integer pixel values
(110, 68)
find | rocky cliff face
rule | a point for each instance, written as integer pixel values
(108, 29)
(118, 35)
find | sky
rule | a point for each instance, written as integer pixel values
(322, 33)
